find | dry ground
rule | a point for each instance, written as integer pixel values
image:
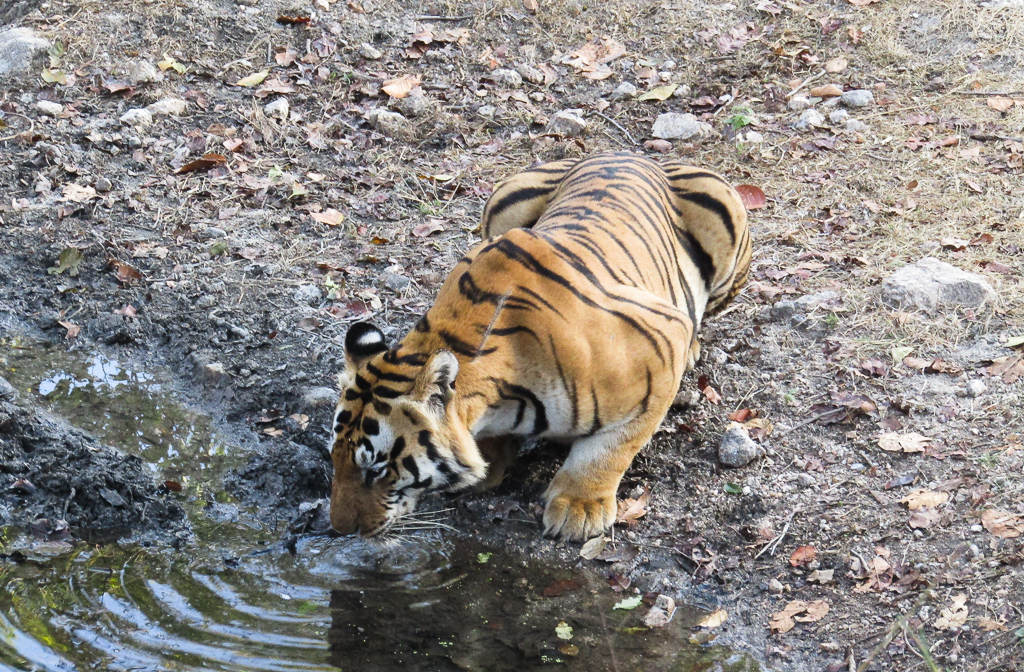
(221, 253)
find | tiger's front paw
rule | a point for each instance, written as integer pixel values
(577, 518)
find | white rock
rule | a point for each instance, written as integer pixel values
(370, 52)
(277, 109)
(390, 123)
(19, 50)
(507, 78)
(809, 118)
(137, 117)
(624, 91)
(737, 449)
(838, 117)
(856, 126)
(682, 91)
(140, 72)
(857, 98)
(798, 103)
(530, 73)
(669, 65)
(676, 126)
(569, 123)
(50, 108)
(976, 388)
(751, 137)
(307, 295)
(931, 285)
(487, 111)
(168, 106)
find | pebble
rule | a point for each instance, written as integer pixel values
(838, 117)
(307, 295)
(805, 480)
(737, 449)
(751, 137)
(676, 126)
(858, 466)
(370, 52)
(396, 282)
(786, 309)
(487, 111)
(538, 97)
(213, 373)
(682, 91)
(50, 108)
(977, 528)
(775, 587)
(103, 185)
(212, 232)
(415, 104)
(530, 74)
(857, 98)
(174, 107)
(809, 118)
(568, 123)
(141, 72)
(390, 123)
(931, 285)
(137, 117)
(507, 78)
(669, 65)
(798, 103)
(976, 388)
(7, 391)
(856, 126)
(20, 48)
(277, 109)
(623, 91)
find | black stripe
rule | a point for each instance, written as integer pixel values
(596, 423)
(699, 256)
(460, 347)
(523, 395)
(711, 203)
(362, 383)
(371, 427)
(386, 392)
(412, 359)
(397, 448)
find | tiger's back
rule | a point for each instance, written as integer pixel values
(574, 319)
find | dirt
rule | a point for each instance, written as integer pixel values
(230, 276)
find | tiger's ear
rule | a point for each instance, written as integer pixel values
(363, 341)
(436, 382)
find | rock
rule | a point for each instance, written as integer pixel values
(390, 123)
(838, 117)
(174, 107)
(49, 108)
(682, 91)
(530, 74)
(103, 185)
(798, 103)
(277, 109)
(857, 98)
(931, 285)
(307, 295)
(569, 123)
(976, 388)
(7, 391)
(751, 137)
(487, 111)
(787, 309)
(212, 233)
(809, 118)
(538, 96)
(396, 282)
(140, 72)
(319, 397)
(507, 78)
(855, 126)
(623, 91)
(137, 117)
(20, 49)
(676, 126)
(775, 587)
(212, 373)
(661, 613)
(805, 480)
(687, 397)
(416, 104)
(737, 449)
(370, 52)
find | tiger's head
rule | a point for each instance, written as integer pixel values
(396, 434)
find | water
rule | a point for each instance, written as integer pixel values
(239, 600)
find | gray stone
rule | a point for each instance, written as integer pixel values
(319, 397)
(140, 72)
(507, 78)
(538, 96)
(805, 480)
(103, 185)
(775, 587)
(416, 104)
(370, 52)
(856, 126)
(390, 123)
(809, 118)
(487, 111)
(737, 449)
(212, 373)
(931, 285)
(137, 117)
(687, 397)
(829, 103)
(530, 74)
(676, 126)
(788, 309)
(20, 49)
(838, 117)
(857, 98)
(682, 91)
(624, 91)
(569, 123)
(49, 108)
(307, 295)
(277, 109)
(751, 137)
(7, 391)
(212, 233)
(976, 388)
(174, 107)
(798, 103)
(396, 282)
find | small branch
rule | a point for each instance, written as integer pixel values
(805, 83)
(433, 17)
(615, 124)
(988, 93)
(31, 127)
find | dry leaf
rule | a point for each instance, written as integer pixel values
(593, 548)
(77, 193)
(988, 625)
(753, 197)
(837, 64)
(802, 555)
(205, 162)
(331, 217)
(631, 510)
(123, 271)
(253, 79)
(714, 619)
(428, 227)
(73, 329)
(401, 86)
(783, 621)
(827, 91)
(660, 93)
(953, 616)
(1000, 103)
(923, 519)
(911, 442)
(821, 576)
(1003, 524)
(921, 498)
(531, 6)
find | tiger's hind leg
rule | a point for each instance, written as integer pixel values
(519, 201)
(499, 452)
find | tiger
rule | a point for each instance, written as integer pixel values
(573, 320)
